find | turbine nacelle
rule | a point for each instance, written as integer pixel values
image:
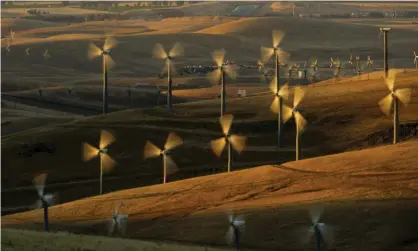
(102, 150)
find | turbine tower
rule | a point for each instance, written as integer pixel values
(160, 53)
(107, 63)
(385, 49)
(151, 151)
(278, 53)
(45, 200)
(219, 75)
(231, 141)
(106, 162)
(395, 95)
(300, 121)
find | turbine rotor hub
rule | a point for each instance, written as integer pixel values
(103, 150)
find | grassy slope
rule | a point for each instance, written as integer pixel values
(30, 240)
(368, 186)
(340, 117)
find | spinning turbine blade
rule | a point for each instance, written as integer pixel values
(298, 96)
(287, 113)
(122, 221)
(266, 53)
(109, 43)
(109, 62)
(277, 37)
(284, 91)
(215, 76)
(300, 121)
(404, 95)
(159, 52)
(229, 237)
(172, 141)
(171, 165)
(107, 162)
(275, 105)
(226, 122)
(117, 208)
(218, 145)
(390, 83)
(89, 152)
(315, 212)
(150, 150)
(176, 51)
(105, 139)
(386, 104)
(273, 86)
(111, 226)
(93, 51)
(230, 72)
(39, 183)
(238, 142)
(218, 56)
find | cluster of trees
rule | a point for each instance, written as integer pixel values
(35, 12)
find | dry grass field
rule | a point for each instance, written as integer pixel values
(369, 194)
(373, 191)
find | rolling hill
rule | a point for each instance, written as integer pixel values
(368, 190)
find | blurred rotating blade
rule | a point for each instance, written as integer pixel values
(327, 232)
(277, 37)
(89, 152)
(300, 121)
(159, 52)
(176, 51)
(238, 142)
(266, 53)
(122, 221)
(171, 165)
(275, 105)
(229, 237)
(39, 183)
(299, 95)
(287, 113)
(111, 226)
(226, 122)
(283, 56)
(315, 213)
(107, 162)
(218, 145)
(173, 141)
(390, 82)
(230, 72)
(404, 95)
(273, 85)
(386, 104)
(109, 43)
(218, 56)
(93, 51)
(106, 138)
(117, 208)
(150, 150)
(38, 204)
(215, 76)
(284, 92)
(109, 62)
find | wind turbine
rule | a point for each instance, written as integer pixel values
(322, 232)
(27, 51)
(278, 53)
(229, 140)
(45, 200)
(106, 162)
(46, 54)
(332, 63)
(107, 62)
(300, 121)
(263, 71)
(289, 72)
(305, 70)
(235, 229)
(337, 70)
(118, 220)
(415, 59)
(369, 62)
(395, 95)
(160, 53)
(151, 151)
(219, 75)
(314, 65)
(385, 49)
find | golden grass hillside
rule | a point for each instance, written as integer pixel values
(341, 116)
(371, 191)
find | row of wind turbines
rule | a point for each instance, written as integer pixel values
(229, 141)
